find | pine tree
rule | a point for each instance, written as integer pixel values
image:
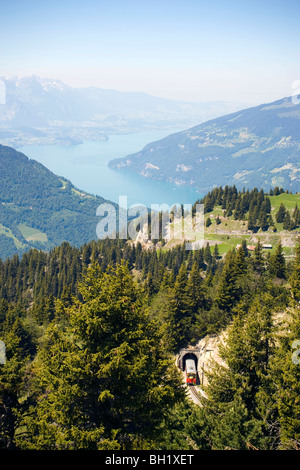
(267, 205)
(208, 204)
(263, 221)
(196, 299)
(264, 213)
(208, 222)
(295, 276)
(245, 248)
(19, 349)
(287, 221)
(277, 263)
(231, 403)
(252, 220)
(296, 216)
(199, 258)
(207, 254)
(180, 311)
(216, 252)
(286, 372)
(238, 211)
(104, 381)
(258, 259)
(280, 214)
(240, 262)
(227, 292)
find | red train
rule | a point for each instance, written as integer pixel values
(190, 372)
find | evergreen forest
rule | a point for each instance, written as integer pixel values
(89, 337)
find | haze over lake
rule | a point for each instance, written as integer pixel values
(86, 166)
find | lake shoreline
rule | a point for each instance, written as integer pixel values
(86, 165)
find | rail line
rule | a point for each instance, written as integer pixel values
(195, 394)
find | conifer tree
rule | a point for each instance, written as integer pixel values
(280, 214)
(287, 221)
(286, 373)
(240, 262)
(238, 211)
(277, 263)
(245, 248)
(180, 311)
(199, 258)
(208, 222)
(231, 403)
(196, 298)
(267, 205)
(252, 220)
(227, 292)
(19, 349)
(296, 216)
(216, 252)
(105, 381)
(295, 276)
(258, 259)
(263, 220)
(207, 254)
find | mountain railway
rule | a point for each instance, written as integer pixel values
(195, 395)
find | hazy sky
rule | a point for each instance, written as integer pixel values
(230, 50)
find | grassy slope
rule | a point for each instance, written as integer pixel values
(32, 234)
(232, 232)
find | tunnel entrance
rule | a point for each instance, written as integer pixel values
(189, 356)
(184, 355)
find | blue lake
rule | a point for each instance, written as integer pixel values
(86, 166)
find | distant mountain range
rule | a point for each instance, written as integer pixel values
(259, 146)
(47, 111)
(39, 209)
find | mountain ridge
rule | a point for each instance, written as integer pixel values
(257, 146)
(45, 110)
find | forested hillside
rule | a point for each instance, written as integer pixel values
(91, 334)
(255, 206)
(39, 209)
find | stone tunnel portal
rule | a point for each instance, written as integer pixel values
(188, 353)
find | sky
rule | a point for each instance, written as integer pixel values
(230, 50)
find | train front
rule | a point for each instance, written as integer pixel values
(190, 372)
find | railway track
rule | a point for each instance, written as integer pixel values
(195, 394)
